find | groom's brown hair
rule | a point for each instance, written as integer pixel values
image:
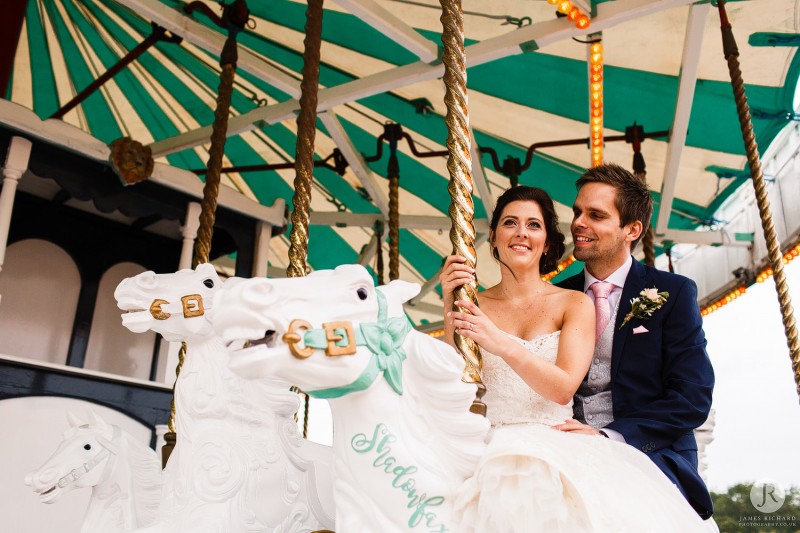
(632, 200)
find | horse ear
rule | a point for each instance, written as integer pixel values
(400, 290)
(73, 420)
(95, 420)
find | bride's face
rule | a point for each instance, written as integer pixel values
(520, 236)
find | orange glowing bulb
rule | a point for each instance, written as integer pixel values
(554, 2)
(597, 78)
(564, 6)
(574, 13)
(596, 48)
(597, 58)
(597, 86)
(597, 116)
(582, 22)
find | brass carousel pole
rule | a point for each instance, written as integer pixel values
(462, 210)
(640, 170)
(304, 162)
(235, 17)
(731, 52)
(393, 173)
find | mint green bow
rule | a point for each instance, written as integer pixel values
(384, 339)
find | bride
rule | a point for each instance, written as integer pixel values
(537, 342)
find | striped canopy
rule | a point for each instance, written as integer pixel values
(528, 83)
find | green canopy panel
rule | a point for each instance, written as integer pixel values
(527, 84)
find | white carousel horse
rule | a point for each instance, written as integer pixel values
(404, 438)
(125, 476)
(239, 463)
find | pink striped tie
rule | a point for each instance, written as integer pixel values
(602, 308)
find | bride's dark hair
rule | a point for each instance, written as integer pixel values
(555, 239)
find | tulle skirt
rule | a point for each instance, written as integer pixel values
(534, 478)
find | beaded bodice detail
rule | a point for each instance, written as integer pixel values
(509, 400)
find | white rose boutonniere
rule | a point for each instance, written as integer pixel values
(643, 307)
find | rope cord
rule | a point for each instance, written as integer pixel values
(731, 52)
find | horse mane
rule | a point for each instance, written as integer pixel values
(145, 472)
(434, 395)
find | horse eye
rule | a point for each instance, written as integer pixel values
(209, 283)
(87, 447)
(362, 293)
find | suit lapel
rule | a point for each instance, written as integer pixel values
(634, 284)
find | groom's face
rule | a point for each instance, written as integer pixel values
(596, 230)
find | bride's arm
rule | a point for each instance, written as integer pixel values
(556, 382)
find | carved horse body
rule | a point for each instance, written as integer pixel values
(404, 438)
(124, 475)
(239, 463)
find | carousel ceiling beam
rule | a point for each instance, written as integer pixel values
(690, 65)
(345, 219)
(425, 307)
(368, 252)
(392, 27)
(356, 161)
(481, 184)
(179, 24)
(433, 281)
(708, 238)
(525, 39)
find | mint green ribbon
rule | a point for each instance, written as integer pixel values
(384, 339)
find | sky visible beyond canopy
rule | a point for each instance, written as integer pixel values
(755, 398)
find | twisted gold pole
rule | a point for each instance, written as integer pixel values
(462, 210)
(304, 160)
(773, 246)
(306, 132)
(649, 247)
(393, 172)
(649, 239)
(379, 251)
(208, 206)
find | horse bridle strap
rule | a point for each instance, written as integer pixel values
(109, 448)
(384, 339)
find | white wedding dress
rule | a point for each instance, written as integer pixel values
(534, 478)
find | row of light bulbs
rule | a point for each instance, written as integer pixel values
(560, 268)
(596, 101)
(572, 12)
(763, 276)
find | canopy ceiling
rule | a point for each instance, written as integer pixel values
(526, 84)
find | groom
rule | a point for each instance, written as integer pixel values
(650, 381)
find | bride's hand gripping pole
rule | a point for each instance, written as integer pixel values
(462, 232)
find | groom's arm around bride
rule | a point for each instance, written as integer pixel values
(650, 381)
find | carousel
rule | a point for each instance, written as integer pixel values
(180, 177)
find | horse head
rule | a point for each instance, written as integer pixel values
(161, 302)
(306, 330)
(83, 459)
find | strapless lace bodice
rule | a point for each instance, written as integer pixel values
(509, 400)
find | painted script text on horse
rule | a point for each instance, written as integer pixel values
(403, 480)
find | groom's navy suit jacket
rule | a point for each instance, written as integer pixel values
(661, 379)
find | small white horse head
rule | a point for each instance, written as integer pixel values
(94, 453)
(79, 461)
(161, 302)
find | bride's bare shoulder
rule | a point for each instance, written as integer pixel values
(571, 298)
